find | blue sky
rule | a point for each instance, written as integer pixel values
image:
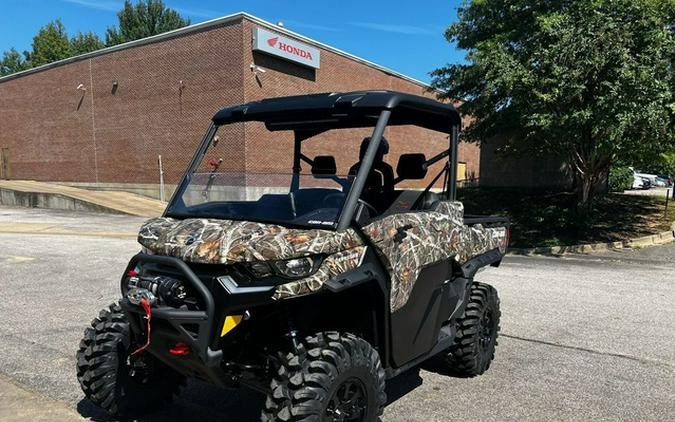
(404, 35)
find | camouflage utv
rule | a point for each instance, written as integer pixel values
(313, 285)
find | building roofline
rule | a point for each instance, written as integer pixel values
(207, 25)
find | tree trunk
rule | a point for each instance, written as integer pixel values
(585, 194)
(589, 172)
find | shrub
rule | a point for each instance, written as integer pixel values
(620, 179)
(667, 163)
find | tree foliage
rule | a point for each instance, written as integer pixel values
(85, 42)
(664, 164)
(50, 44)
(13, 61)
(620, 178)
(591, 81)
(144, 19)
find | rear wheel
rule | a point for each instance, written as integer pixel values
(477, 332)
(330, 377)
(121, 384)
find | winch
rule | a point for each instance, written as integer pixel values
(168, 291)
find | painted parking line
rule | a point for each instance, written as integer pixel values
(18, 259)
(55, 229)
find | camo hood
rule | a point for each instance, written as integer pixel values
(210, 241)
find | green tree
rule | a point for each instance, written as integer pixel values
(85, 42)
(50, 44)
(144, 19)
(588, 80)
(13, 61)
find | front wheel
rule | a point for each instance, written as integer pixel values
(477, 331)
(121, 384)
(329, 377)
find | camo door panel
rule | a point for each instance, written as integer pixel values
(410, 241)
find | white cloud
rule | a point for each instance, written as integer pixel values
(295, 24)
(397, 29)
(115, 5)
(201, 13)
(109, 5)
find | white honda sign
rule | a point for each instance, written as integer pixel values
(287, 48)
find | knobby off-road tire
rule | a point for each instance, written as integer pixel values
(121, 385)
(331, 377)
(477, 332)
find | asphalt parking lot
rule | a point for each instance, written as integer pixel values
(583, 337)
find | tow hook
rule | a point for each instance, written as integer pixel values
(136, 296)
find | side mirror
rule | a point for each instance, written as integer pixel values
(411, 166)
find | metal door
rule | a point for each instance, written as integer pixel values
(4, 163)
(461, 172)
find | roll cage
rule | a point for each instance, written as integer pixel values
(311, 115)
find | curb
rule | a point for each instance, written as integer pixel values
(21, 403)
(639, 242)
(33, 194)
(54, 201)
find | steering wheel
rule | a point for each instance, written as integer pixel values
(367, 205)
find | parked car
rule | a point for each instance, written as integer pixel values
(640, 182)
(652, 178)
(668, 180)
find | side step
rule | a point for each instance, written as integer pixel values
(445, 339)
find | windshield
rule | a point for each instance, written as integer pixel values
(263, 187)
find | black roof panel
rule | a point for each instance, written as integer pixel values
(340, 110)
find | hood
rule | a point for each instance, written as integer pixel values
(212, 241)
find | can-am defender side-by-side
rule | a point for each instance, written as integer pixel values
(314, 286)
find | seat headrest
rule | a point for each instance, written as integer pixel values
(411, 166)
(324, 166)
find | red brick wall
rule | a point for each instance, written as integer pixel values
(337, 73)
(51, 139)
(55, 134)
(46, 124)
(150, 114)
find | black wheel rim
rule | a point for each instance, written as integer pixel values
(486, 331)
(348, 403)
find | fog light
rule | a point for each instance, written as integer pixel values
(180, 349)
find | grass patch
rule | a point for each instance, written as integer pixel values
(543, 218)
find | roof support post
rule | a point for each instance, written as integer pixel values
(454, 161)
(366, 164)
(297, 146)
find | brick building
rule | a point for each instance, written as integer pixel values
(103, 118)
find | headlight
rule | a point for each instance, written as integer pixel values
(291, 268)
(296, 268)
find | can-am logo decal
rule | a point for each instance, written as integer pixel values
(287, 48)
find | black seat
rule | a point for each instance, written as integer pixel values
(324, 166)
(380, 180)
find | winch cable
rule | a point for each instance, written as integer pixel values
(148, 316)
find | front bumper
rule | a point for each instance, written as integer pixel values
(199, 329)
